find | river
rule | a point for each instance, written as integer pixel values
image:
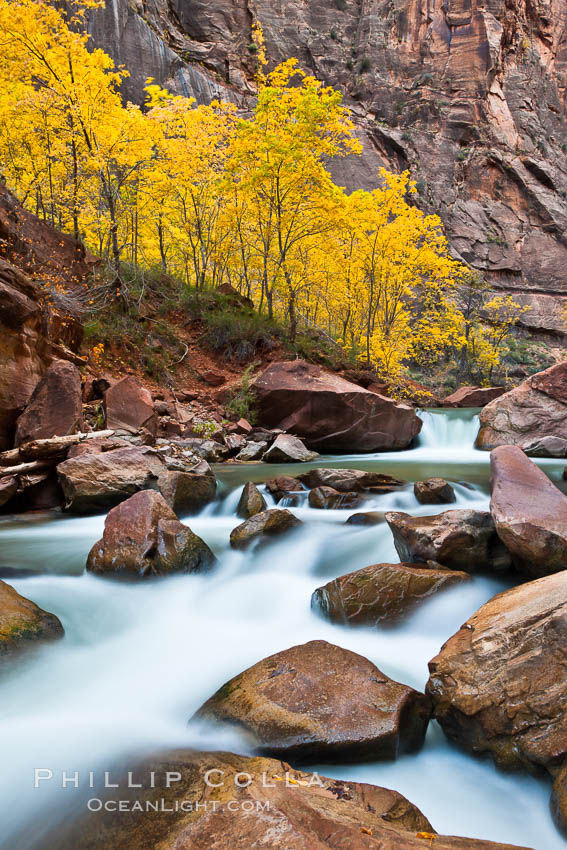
(138, 659)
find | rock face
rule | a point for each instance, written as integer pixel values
(251, 502)
(433, 491)
(143, 537)
(23, 624)
(382, 593)
(473, 396)
(529, 512)
(288, 449)
(129, 407)
(329, 413)
(459, 540)
(266, 524)
(318, 701)
(533, 416)
(470, 98)
(498, 684)
(95, 482)
(347, 480)
(281, 809)
(55, 407)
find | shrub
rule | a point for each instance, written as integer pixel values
(241, 405)
(364, 64)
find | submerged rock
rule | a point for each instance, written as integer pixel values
(329, 498)
(268, 524)
(55, 408)
(348, 480)
(329, 413)
(288, 449)
(499, 685)
(434, 491)
(23, 624)
(318, 701)
(460, 540)
(529, 512)
(143, 537)
(367, 518)
(251, 501)
(381, 593)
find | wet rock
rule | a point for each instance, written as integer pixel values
(251, 502)
(288, 449)
(55, 407)
(129, 407)
(305, 703)
(283, 487)
(252, 451)
(346, 480)
(329, 498)
(143, 537)
(94, 482)
(267, 524)
(473, 396)
(528, 414)
(282, 808)
(23, 624)
(529, 512)
(367, 518)
(499, 684)
(382, 593)
(461, 540)
(434, 491)
(329, 413)
(559, 800)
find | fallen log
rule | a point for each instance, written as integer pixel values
(50, 447)
(25, 468)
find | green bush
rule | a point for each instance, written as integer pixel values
(241, 406)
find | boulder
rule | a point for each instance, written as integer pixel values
(235, 443)
(251, 502)
(460, 540)
(95, 482)
(143, 537)
(529, 512)
(434, 491)
(280, 808)
(473, 396)
(55, 407)
(283, 487)
(252, 451)
(209, 450)
(347, 480)
(129, 407)
(23, 625)
(318, 701)
(329, 498)
(243, 426)
(266, 524)
(528, 414)
(367, 518)
(288, 449)
(559, 800)
(499, 685)
(329, 413)
(382, 593)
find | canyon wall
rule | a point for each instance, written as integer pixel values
(471, 96)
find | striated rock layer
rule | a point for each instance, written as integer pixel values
(470, 96)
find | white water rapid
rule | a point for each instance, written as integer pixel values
(138, 659)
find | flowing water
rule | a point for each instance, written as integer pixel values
(138, 659)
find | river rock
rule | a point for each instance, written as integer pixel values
(55, 407)
(367, 518)
(266, 524)
(95, 482)
(473, 396)
(499, 683)
(529, 512)
(318, 701)
(251, 501)
(559, 800)
(143, 537)
(281, 808)
(252, 451)
(535, 410)
(460, 540)
(329, 413)
(129, 407)
(23, 624)
(329, 498)
(346, 480)
(381, 593)
(283, 487)
(288, 449)
(434, 491)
